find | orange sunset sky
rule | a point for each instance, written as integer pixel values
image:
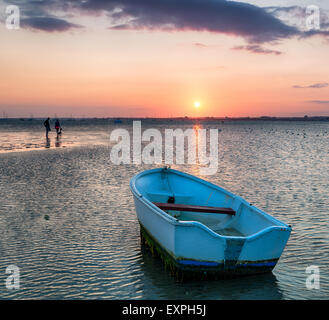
(157, 62)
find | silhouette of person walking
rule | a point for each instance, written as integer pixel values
(47, 126)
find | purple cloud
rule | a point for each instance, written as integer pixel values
(48, 24)
(218, 16)
(199, 45)
(312, 86)
(257, 49)
(253, 23)
(318, 101)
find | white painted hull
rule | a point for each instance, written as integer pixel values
(196, 245)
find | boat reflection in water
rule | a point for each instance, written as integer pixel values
(164, 286)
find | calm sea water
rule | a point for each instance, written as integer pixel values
(89, 247)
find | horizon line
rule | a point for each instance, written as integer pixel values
(174, 118)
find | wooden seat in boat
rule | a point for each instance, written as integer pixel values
(192, 208)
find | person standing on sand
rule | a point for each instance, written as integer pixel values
(47, 126)
(58, 128)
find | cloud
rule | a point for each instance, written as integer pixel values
(318, 101)
(297, 16)
(48, 24)
(253, 23)
(42, 15)
(286, 13)
(218, 16)
(257, 25)
(312, 33)
(312, 86)
(199, 45)
(257, 49)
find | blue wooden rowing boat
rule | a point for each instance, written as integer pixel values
(200, 228)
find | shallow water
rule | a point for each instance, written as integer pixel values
(89, 248)
(29, 134)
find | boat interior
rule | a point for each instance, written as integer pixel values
(191, 199)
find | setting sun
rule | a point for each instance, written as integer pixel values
(197, 104)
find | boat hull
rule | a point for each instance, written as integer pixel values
(191, 249)
(184, 269)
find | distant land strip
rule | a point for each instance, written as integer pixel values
(179, 119)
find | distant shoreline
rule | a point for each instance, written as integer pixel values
(187, 119)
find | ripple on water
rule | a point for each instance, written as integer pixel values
(89, 247)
